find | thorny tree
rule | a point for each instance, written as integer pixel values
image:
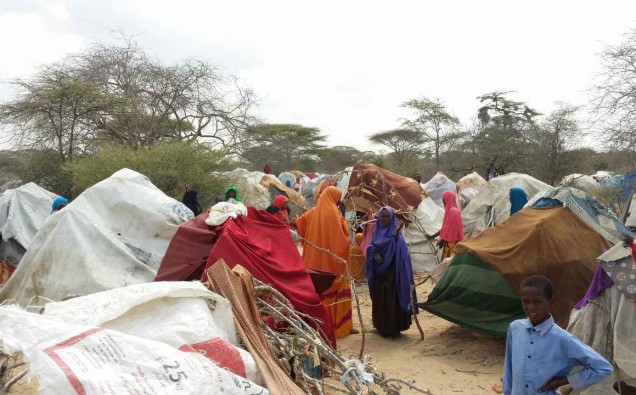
(120, 94)
(505, 133)
(614, 95)
(433, 121)
(52, 111)
(405, 148)
(184, 101)
(555, 137)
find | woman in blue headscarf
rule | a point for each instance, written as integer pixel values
(58, 204)
(518, 200)
(390, 276)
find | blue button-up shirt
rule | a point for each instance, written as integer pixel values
(537, 354)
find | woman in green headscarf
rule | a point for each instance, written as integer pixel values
(232, 193)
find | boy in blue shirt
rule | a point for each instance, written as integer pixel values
(540, 355)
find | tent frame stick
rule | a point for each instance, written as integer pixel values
(353, 289)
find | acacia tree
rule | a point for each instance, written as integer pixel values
(555, 136)
(334, 159)
(433, 121)
(283, 146)
(504, 134)
(184, 101)
(614, 95)
(52, 111)
(405, 147)
(120, 94)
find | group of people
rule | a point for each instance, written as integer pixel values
(539, 355)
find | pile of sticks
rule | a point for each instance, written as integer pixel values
(309, 358)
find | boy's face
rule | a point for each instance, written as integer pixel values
(535, 304)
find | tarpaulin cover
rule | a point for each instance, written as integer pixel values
(23, 211)
(474, 295)
(114, 234)
(588, 209)
(264, 246)
(581, 182)
(607, 325)
(436, 187)
(492, 205)
(472, 180)
(260, 243)
(552, 242)
(371, 187)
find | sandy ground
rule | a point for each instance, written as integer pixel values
(450, 359)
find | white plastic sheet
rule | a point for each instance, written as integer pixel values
(492, 205)
(222, 211)
(436, 187)
(184, 315)
(429, 218)
(23, 211)
(76, 359)
(114, 234)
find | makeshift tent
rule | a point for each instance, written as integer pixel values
(606, 319)
(260, 243)
(426, 220)
(601, 176)
(23, 211)
(492, 205)
(287, 179)
(472, 180)
(479, 290)
(627, 186)
(437, 186)
(469, 186)
(587, 208)
(342, 181)
(371, 187)
(259, 190)
(629, 214)
(114, 234)
(581, 182)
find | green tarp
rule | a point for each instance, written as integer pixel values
(474, 295)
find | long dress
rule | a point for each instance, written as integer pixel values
(452, 230)
(324, 226)
(388, 317)
(390, 278)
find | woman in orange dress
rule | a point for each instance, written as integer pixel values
(325, 227)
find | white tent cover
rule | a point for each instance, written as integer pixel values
(114, 234)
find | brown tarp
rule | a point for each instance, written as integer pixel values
(371, 187)
(237, 287)
(552, 242)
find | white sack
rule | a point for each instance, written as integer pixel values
(184, 315)
(75, 359)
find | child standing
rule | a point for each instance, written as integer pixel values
(540, 355)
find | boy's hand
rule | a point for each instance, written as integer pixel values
(554, 384)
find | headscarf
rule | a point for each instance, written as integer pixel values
(324, 226)
(190, 200)
(57, 203)
(386, 248)
(236, 194)
(280, 202)
(518, 199)
(452, 225)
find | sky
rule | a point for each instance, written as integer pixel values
(342, 66)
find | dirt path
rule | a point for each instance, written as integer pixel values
(450, 360)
